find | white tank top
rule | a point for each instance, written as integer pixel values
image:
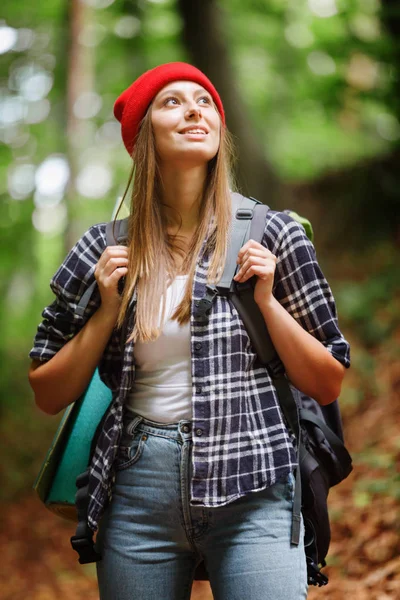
(162, 390)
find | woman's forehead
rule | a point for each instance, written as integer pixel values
(181, 86)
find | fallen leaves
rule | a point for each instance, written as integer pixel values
(364, 557)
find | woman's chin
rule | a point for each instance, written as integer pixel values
(194, 157)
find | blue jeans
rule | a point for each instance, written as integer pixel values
(151, 539)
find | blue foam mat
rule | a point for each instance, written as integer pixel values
(69, 451)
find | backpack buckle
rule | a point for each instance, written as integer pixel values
(315, 577)
(244, 214)
(203, 306)
(85, 548)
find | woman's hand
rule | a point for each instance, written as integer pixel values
(255, 259)
(113, 265)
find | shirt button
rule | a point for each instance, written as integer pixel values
(198, 346)
(198, 390)
(199, 432)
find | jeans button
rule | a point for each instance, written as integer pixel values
(186, 428)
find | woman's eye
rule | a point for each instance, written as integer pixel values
(173, 101)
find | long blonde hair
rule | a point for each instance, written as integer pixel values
(150, 247)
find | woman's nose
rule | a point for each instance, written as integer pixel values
(193, 111)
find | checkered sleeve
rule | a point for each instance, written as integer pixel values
(300, 285)
(60, 321)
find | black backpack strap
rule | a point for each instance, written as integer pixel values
(242, 217)
(85, 298)
(116, 233)
(291, 412)
(249, 216)
(110, 230)
(242, 221)
(82, 541)
(242, 296)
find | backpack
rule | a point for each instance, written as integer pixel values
(322, 457)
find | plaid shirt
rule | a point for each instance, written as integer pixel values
(240, 443)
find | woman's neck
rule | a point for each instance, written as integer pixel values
(182, 191)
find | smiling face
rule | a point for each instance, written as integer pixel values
(186, 124)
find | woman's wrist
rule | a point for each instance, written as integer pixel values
(268, 305)
(108, 316)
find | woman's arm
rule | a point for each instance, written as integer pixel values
(62, 379)
(308, 364)
(298, 308)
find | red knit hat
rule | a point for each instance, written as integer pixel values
(131, 106)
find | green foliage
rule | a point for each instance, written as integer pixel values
(384, 485)
(371, 304)
(320, 89)
(351, 397)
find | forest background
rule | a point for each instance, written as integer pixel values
(311, 90)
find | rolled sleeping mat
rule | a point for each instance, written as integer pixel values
(69, 452)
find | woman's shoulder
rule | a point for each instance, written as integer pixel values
(90, 245)
(93, 240)
(78, 266)
(281, 230)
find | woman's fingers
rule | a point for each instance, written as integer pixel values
(251, 246)
(254, 259)
(112, 265)
(112, 258)
(263, 272)
(261, 268)
(112, 252)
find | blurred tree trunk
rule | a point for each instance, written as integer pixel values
(203, 35)
(390, 18)
(80, 77)
(357, 206)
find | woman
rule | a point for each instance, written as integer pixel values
(194, 461)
